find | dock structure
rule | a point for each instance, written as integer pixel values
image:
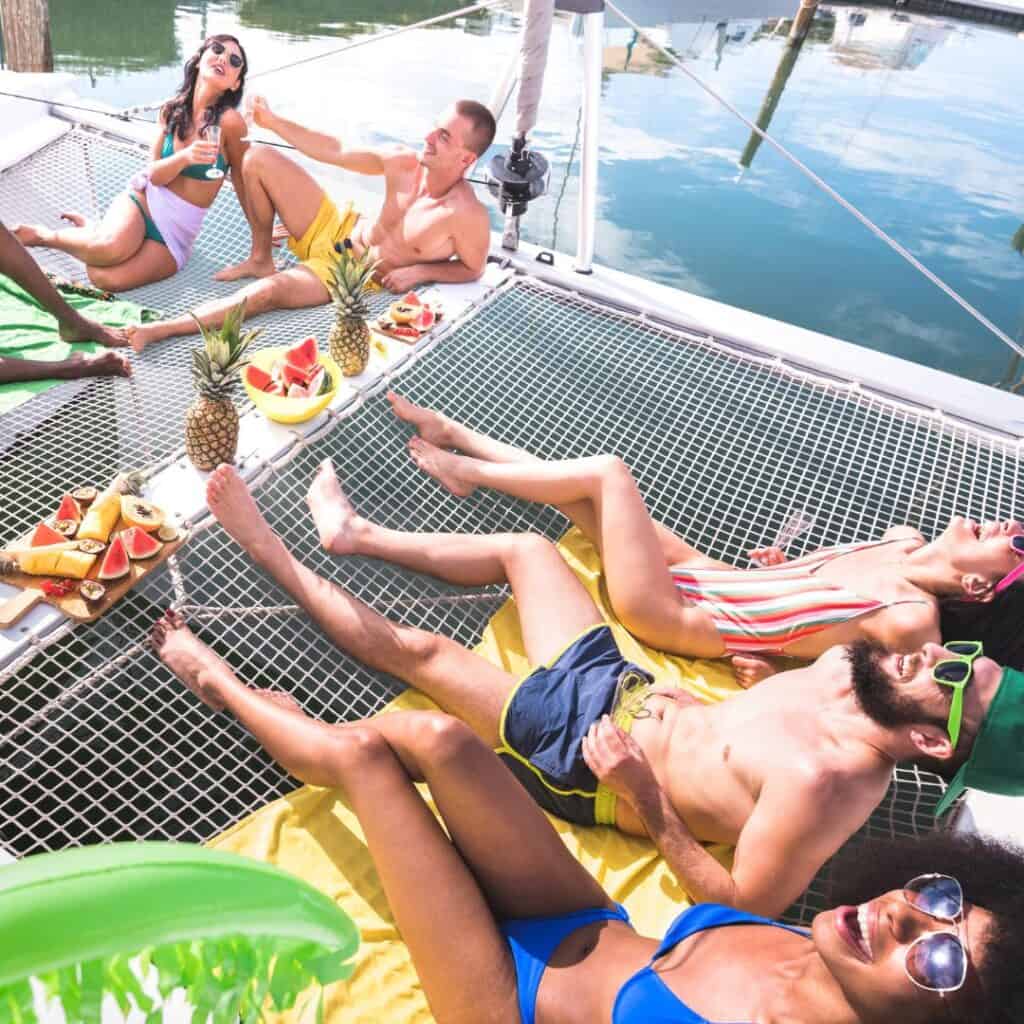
(1000, 13)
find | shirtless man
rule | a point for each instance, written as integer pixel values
(430, 228)
(786, 771)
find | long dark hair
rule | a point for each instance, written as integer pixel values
(177, 111)
(992, 876)
(996, 623)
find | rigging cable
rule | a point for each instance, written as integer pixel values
(822, 184)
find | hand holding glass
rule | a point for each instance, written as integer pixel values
(212, 134)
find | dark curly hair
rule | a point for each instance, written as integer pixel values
(992, 876)
(176, 113)
(996, 623)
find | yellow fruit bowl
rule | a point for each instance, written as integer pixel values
(290, 410)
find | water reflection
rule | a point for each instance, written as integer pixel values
(86, 38)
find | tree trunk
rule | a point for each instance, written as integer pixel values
(26, 29)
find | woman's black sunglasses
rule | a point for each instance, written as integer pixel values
(233, 58)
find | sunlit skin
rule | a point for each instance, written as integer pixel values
(115, 250)
(687, 773)
(507, 861)
(431, 226)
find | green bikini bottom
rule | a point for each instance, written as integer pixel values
(152, 231)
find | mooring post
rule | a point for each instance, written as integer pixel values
(26, 33)
(802, 22)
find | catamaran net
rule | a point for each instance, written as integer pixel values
(98, 742)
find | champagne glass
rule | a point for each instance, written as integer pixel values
(798, 523)
(212, 134)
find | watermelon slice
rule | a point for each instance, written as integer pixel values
(257, 378)
(297, 391)
(115, 563)
(425, 320)
(45, 535)
(139, 544)
(292, 375)
(412, 299)
(304, 355)
(69, 509)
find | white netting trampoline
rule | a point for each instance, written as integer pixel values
(98, 742)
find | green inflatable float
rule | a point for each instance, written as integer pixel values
(237, 935)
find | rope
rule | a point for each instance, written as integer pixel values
(825, 187)
(377, 37)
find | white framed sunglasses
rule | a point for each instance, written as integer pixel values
(937, 961)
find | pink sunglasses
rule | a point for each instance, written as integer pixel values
(1014, 574)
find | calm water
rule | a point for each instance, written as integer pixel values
(915, 120)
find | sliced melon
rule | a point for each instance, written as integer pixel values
(257, 378)
(115, 562)
(136, 512)
(100, 519)
(139, 544)
(404, 312)
(425, 320)
(292, 375)
(69, 509)
(45, 535)
(412, 299)
(304, 355)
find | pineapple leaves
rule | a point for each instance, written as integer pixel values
(217, 365)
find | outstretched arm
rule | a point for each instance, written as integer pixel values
(327, 149)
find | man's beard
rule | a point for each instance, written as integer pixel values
(877, 695)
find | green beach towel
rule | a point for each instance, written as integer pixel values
(27, 331)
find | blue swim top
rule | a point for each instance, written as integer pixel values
(646, 999)
(193, 170)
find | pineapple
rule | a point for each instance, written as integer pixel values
(349, 340)
(211, 423)
(105, 510)
(52, 560)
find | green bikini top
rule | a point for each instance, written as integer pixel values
(193, 170)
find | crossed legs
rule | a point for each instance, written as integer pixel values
(503, 859)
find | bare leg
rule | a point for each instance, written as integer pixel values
(116, 238)
(273, 184)
(151, 263)
(105, 364)
(16, 263)
(554, 606)
(461, 682)
(443, 432)
(503, 859)
(294, 288)
(641, 591)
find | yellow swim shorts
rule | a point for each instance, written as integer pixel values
(316, 247)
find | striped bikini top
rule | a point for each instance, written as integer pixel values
(765, 610)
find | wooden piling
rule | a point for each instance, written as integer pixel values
(26, 35)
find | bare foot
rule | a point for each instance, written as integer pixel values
(30, 234)
(751, 670)
(104, 364)
(88, 330)
(430, 425)
(144, 334)
(236, 510)
(282, 700)
(74, 218)
(248, 268)
(336, 520)
(442, 466)
(189, 658)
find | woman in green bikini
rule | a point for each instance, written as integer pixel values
(147, 233)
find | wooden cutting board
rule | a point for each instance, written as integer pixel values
(74, 605)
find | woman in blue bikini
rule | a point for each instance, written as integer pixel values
(504, 925)
(147, 233)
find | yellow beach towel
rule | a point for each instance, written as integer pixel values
(313, 834)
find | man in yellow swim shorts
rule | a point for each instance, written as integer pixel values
(431, 226)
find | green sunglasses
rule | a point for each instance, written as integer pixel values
(956, 672)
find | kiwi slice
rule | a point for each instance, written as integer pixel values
(90, 547)
(167, 533)
(84, 495)
(92, 591)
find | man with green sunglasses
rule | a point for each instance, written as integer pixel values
(998, 749)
